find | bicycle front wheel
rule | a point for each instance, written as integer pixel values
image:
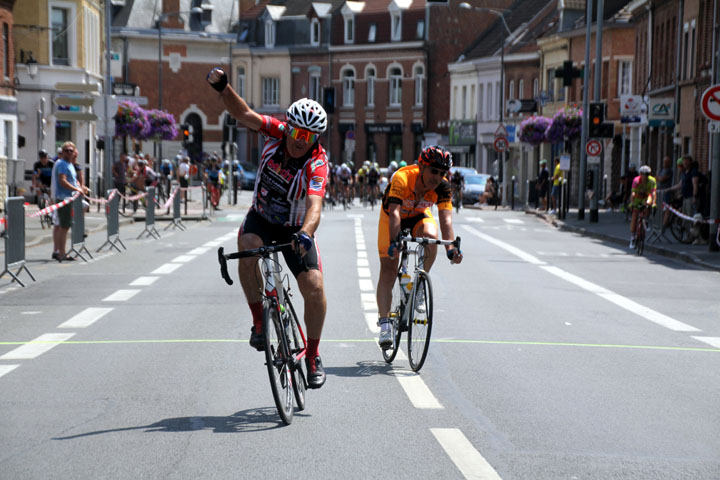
(680, 229)
(396, 314)
(297, 345)
(420, 325)
(277, 362)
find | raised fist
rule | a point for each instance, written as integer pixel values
(217, 79)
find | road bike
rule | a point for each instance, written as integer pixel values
(412, 301)
(43, 201)
(681, 229)
(457, 198)
(641, 228)
(285, 342)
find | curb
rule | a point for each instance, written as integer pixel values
(686, 257)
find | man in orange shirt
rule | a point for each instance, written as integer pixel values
(406, 204)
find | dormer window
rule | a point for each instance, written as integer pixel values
(371, 32)
(269, 33)
(396, 22)
(315, 32)
(206, 16)
(349, 29)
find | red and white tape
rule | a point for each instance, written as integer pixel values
(54, 207)
(689, 219)
(134, 197)
(169, 200)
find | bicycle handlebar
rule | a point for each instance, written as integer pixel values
(429, 241)
(262, 251)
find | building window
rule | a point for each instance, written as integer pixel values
(511, 90)
(536, 88)
(521, 89)
(481, 92)
(396, 32)
(241, 81)
(550, 85)
(60, 36)
(395, 87)
(315, 86)
(624, 77)
(6, 50)
(371, 76)
(315, 32)
(453, 103)
(489, 103)
(271, 92)
(420, 30)
(349, 29)
(419, 74)
(463, 102)
(472, 101)
(691, 59)
(348, 77)
(269, 33)
(371, 32)
(92, 41)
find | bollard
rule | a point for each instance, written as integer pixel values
(512, 194)
(77, 232)
(149, 215)
(235, 187)
(176, 218)
(15, 239)
(204, 202)
(112, 210)
(527, 194)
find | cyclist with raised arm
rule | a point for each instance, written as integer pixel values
(406, 204)
(286, 206)
(643, 193)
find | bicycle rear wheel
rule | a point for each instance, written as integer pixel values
(297, 345)
(396, 314)
(640, 239)
(277, 362)
(420, 325)
(680, 229)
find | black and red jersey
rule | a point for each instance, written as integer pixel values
(283, 182)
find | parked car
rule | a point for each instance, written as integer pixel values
(474, 187)
(464, 170)
(249, 176)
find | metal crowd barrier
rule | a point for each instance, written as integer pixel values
(112, 215)
(77, 233)
(149, 215)
(176, 221)
(15, 239)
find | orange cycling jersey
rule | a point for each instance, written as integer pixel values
(401, 190)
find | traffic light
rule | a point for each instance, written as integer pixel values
(590, 179)
(186, 136)
(596, 119)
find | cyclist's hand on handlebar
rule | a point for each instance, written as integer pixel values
(392, 249)
(454, 255)
(302, 242)
(217, 79)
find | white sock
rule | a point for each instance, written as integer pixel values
(384, 325)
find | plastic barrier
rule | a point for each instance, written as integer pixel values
(149, 215)
(14, 234)
(77, 233)
(112, 213)
(176, 199)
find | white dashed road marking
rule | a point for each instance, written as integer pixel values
(143, 281)
(121, 295)
(198, 251)
(165, 269)
(468, 460)
(7, 369)
(37, 347)
(183, 258)
(86, 318)
(514, 221)
(712, 341)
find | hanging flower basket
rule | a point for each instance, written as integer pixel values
(566, 125)
(162, 125)
(533, 128)
(131, 121)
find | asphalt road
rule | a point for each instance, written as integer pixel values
(554, 357)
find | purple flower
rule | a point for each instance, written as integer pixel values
(162, 125)
(131, 121)
(566, 125)
(533, 128)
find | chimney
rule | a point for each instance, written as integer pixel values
(172, 21)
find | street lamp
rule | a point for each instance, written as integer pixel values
(32, 66)
(161, 18)
(509, 35)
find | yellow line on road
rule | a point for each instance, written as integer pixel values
(370, 340)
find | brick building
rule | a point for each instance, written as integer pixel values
(8, 102)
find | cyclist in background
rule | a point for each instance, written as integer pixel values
(643, 193)
(458, 184)
(406, 204)
(212, 180)
(360, 184)
(345, 175)
(392, 168)
(287, 206)
(372, 177)
(42, 173)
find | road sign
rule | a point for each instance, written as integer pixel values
(350, 134)
(631, 108)
(661, 112)
(710, 103)
(593, 160)
(500, 131)
(500, 144)
(593, 148)
(66, 116)
(714, 127)
(75, 101)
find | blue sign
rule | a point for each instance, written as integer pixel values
(511, 129)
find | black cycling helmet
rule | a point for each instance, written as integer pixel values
(435, 156)
(42, 153)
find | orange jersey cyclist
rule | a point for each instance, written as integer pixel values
(406, 204)
(286, 206)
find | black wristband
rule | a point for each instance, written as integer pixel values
(221, 84)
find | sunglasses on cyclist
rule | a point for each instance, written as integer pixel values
(437, 171)
(302, 134)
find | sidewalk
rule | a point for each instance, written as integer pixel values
(612, 227)
(96, 222)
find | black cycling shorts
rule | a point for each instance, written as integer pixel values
(273, 232)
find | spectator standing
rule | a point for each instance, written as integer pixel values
(543, 181)
(65, 184)
(557, 181)
(119, 173)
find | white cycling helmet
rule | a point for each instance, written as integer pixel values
(307, 114)
(393, 164)
(644, 169)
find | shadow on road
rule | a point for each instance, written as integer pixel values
(251, 420)
(361, 369)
